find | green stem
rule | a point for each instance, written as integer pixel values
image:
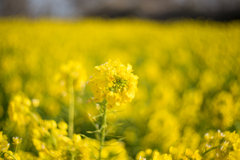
(210, 150)
(71, 108)
(16, 149)
(103, 130)
(34, 117)
(96, 134)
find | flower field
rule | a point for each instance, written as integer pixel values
(119, 89)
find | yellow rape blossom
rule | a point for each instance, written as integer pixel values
(113, 82)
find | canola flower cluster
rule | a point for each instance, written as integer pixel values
(114, 83)
(51, 141)
(188, 86)
(4, 146)
(222, 145)
(218, 145)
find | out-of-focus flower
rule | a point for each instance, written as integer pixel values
(19, 109)
(4, 145)
(35, 102)
(17, 140)
(155, 155)
(51, 141)
(71, 72)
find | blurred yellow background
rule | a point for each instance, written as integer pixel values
(189, 75)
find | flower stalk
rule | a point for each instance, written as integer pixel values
(71, 107)
(103, 129)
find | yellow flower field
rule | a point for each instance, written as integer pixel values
(171, 90)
